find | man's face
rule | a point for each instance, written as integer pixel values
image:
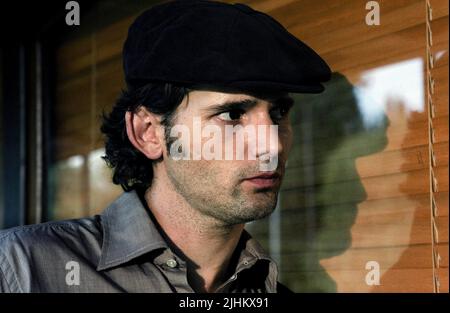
(232, 191)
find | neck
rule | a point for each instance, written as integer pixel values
(206, 244)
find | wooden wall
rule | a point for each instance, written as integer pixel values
(355, 192)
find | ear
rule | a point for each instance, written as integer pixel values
(143, 132)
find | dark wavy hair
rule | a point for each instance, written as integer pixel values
(131, 168)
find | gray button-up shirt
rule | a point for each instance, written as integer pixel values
(120, 250)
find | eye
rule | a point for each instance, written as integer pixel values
(231, 115)
(280, 112)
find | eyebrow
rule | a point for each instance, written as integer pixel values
(247, 104)
(233, 105)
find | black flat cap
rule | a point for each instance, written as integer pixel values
(199, 42)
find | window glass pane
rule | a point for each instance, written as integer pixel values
(357, 192)
(89, 78)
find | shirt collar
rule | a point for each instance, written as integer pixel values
(251, 250)
(129, 232)
(250, 253)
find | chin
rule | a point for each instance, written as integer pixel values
(260, 212)
(264, 200)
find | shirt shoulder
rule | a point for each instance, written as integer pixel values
(50, 232)
(29, 253)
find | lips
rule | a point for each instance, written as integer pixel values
(264, 180)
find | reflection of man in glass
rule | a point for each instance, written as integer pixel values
(179, 227)
(319, 214)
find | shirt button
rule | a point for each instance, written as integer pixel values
(171, 263)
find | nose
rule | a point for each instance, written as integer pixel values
(267, 137)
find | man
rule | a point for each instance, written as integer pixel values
(193, 68)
